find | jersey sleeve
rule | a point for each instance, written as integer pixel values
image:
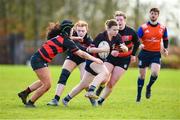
(136, 43)
(88, 39)
(119, 39)
(165, 35)
(140, 32)
(97, 40)
(70, 45)
(81, 46)
(165, 38)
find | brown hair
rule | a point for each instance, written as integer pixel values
(81, 23)
(52, 30)
(120, 13)
(110, 23)
(154, 10)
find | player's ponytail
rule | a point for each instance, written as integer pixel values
(53, 30)
(58, 28)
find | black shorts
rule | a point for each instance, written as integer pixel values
(89, 69)
(37, 61)
(146, 58)
(78, 60)
(122, 62)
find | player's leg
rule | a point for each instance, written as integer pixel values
(84, 83)
(67, 68)
(82, 71)
(45, 78)
(102, 74)
(24, 94)
(155, 68)
(140, 83)
(116, 75)
(144, 62)
(102, 86)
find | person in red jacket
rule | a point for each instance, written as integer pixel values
(44, 55)
(151, 35)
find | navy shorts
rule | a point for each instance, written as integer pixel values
(146, 58)
(78, 60)
(122, 62)
(89, 69)
(37, 61)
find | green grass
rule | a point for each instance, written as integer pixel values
(164, 104)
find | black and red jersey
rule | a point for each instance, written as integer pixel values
(130, 38)
(56, 45)
(103, 36)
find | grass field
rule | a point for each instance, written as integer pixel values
(164, 104)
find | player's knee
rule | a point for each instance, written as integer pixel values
(154, 73)
(106, 74)
(142, 76)
(47, 86)
(85, 86)
(110, 85)
(64, 76)
(154, 76)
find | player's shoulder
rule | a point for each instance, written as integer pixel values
(162, 26)
(144, 26)
(129, 28)
(101, 35)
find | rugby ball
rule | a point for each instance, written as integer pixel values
(103, 55)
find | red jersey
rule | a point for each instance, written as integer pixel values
(56, 45)
(151, 36)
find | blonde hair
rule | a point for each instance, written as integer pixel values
(81, 23)
(110, 23)
(120, 13)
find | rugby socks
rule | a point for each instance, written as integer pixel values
(30, 102)
(100, 101)
(27, 91)
(152, 80)
(91, 88)
(140, 83)
(57, 97)
(99, 90)
(67, 98)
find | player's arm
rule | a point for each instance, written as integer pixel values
(85, 55)
(93, 49)
(140, 34)
(165, 43)
(120, 45)
(75, 50)
(75, 37)
(97, 50)
(136, 44)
